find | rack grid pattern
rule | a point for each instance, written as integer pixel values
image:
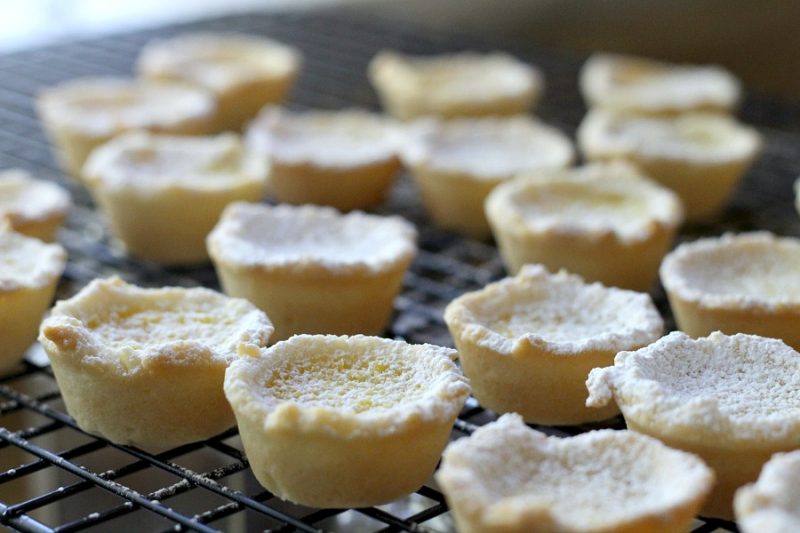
(54, 477)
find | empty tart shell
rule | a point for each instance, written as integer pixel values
(332, 421)
(145, 366)
(732, 400)
(644, 86)
(465, 84)
(527, 343)
(163, 194)
(508, 477)
(312, 269)
(746, 283)
(28, 278)
(771, 504)
(606, 223)
(33, 207)
(81, 114)
(244, 72)
(702, 157)
(457, 163)
(346, 159)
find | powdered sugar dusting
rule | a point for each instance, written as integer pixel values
(599, 480)
(772, 504)
(626, 82)
(129, 324)
(285, 236)
(376, 382)
(694, 137)
(218, 61)
(453, 78)
(103, 106)
(753, 270)
(25, 199)
(739, 388)
(489, 148)
(559, 312)
(152, 162)
(338, 139)
(26, 262)
(599, 200)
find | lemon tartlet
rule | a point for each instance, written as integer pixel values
(702, 157)
(346, 159)
(527, 343)
(163, 194)
(771, 504)
(732, 400)
(466, 84)
(644, 86)
(33, 207)
(745, 283)
(331, 421)
(508, 477)
(604, 222)
(29, 272)
(797, 195)
(457, 163)
(146, 366)
(81, 114)
(244, 72)
(312, 269)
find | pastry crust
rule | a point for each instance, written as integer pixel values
(644, 86)
(604, 222)
(509, 477)
(732, 400)
(457, 163)
(466, 84)
(746, 283)
(771, 504)
(163, 194)
(29, 273)
(81, 114)
(33, 207)
(312, 269)
(345, 159)
(702, 157)
(528, 343)
(332, 421)
(145, 366)
(244, 72)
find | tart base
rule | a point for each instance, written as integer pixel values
(732, 468)
(123, 409)
(240, 104)
(169, 227)
(45, 230)
(343, 188)
(327, 471)
(700, 321)
(406, 107)
(704, 190)
(339, 305)
(21, 312)
(630, 266)
(454, 201)
(544, 388)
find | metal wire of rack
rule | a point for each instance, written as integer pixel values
(54, 477)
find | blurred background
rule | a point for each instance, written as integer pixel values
(757, 40)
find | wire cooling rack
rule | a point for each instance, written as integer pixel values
(54, 477)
